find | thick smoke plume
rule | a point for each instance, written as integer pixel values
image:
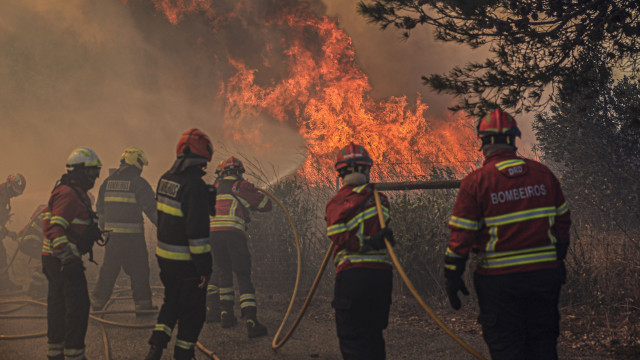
(111, 74)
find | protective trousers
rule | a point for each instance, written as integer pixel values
(231, 256)
(184, 304)
(519, 314)
(362, 298)
(128, 252)
(4, 272)
(67, 310)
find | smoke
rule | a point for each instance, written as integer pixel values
(112, 74)
(108, 75)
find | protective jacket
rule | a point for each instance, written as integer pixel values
(65, 210)
(183, 223)
(351, 216)
(235, 197)
(122, 198)
(31, 235)
(512, 213)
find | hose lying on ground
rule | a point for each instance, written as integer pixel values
(413, 290)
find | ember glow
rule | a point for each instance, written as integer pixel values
(314, 84)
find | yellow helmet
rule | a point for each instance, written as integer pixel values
(134, 156)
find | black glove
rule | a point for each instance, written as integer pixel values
(561, 250)
(453, 270)
(376, 242)
(562, 270)
(561, 253)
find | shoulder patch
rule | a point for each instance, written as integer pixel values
(168, 188)
(118, 185)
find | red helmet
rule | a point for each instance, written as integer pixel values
(195, 143)
(352, 156)
(16, 183)
(231, 164)
(497, 122)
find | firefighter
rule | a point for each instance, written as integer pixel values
(512, 214)
(122, 199)
(70, 228)
(362, 291)
(183, 250)
(30, 243)
(235, 198)
(14, 186)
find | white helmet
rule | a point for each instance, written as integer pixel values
(83, 157)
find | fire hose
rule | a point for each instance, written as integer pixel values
(447, 184)
(413, 290)
(275, 345)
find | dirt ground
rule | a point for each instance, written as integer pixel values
(411, 335)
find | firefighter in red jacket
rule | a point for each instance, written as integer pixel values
(511, 213)
(235, 198)
(30, 243)
(122, 199)
(14, 186)
(183, 250)
(362, 292)
(70, 228)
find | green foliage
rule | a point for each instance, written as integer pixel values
(590, 137)
(534, 43)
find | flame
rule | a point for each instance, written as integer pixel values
(324, 94)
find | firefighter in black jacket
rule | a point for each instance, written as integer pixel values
(122, 198)
(183, 249)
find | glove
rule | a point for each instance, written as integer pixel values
(563, 273)
(561, 250)
(204, 281)
(376, 242)
(12, 235)
(561, 253)
(453, 270)
(66, 255)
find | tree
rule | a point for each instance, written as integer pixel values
(592, 136)
(534, 43)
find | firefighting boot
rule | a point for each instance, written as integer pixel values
(228, 319)
(213, 306)
(254, 328)
(226, 314)
(155, 352)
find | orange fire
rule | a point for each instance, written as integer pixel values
(324, 94)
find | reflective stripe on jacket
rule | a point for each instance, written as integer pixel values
(122, 198)
(183, 221)
(351, 216)
(511, 212)
(65, 210)
(235, 198)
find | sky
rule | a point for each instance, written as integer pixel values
(111, 74)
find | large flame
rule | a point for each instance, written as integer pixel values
(324, 94)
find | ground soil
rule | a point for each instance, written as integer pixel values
(411, 335)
